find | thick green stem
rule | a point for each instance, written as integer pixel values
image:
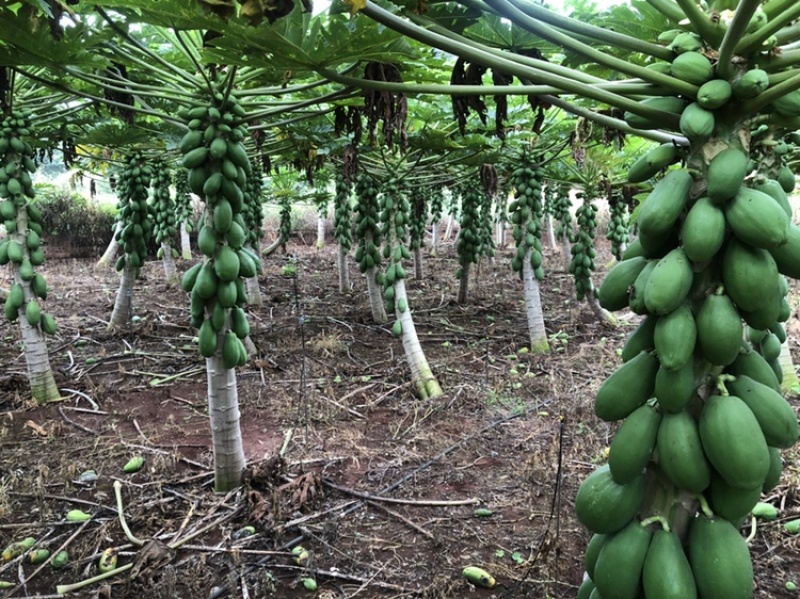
(479, 55)
(152, 56)
(131, 87)
(609, 121)
(606, 36)
(773, 8)
(669, 9)
(643, 89)
(700, 22)
(736, 29)
(510, 11)
(82, 94)
(753, 41)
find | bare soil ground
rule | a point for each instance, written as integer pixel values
(380, 488)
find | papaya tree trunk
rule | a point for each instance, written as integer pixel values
(344, 269)
(566, 251)
(601, 313)
(108, 257)
(40, 375)
(270, 249)
(533, 308)
(790, 382)
(448, 232)
(321, 230)
(226, 436)
(375, 297)
(121, 314)
(434, 237)
(186, 247)
(170, 272)
(253, 291)
(463, 283)
(418, 264)
(421, 373)
(551, 233)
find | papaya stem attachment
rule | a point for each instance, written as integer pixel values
(656, 520)
(706, 509)
(721, 380)
(753, 530)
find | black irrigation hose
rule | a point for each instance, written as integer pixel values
(220, 591)
(554, 513)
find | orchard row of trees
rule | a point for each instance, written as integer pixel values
(229, 88)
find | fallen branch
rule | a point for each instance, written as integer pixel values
(77, 425)
(83, 395)
(418, 502)
(402, 519)
(352, 578)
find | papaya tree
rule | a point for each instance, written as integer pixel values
(525, 214)
(184, 212)
(394, 217)
(22, 248)
(702, 417)
(164, 228)
(134, 231)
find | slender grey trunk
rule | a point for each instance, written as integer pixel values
(253, 292)
(375, 297)
(40, 375)
(790, 381)
(421, 374)
(449, 230)
(170, 272)
(533, 308)
(463, 283)
(121, 314)
(551, 232)
(320, 231)
(344, 270)
(110, 254)
(418, 264)
(434, 238)
(226, 435)
(186, 247)
(602, 314)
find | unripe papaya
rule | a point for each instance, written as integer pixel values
(714, 94)
(725, 175)
(692, 67)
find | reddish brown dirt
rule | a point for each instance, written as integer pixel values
(513, 432)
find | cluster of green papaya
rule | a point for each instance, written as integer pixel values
(165, 227)
(134, 212)
(184, 210)
(526, 211)
(285, 219)
(583, 253)
(486, 226)
(368, 227)
(418, 218)
(395, 210)
(343, 212)
(701, 403)
(253, 209)
(468, 247)
(617, 225)
(436, 202)
(22, 247)
(218, 172)
(560, 207)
